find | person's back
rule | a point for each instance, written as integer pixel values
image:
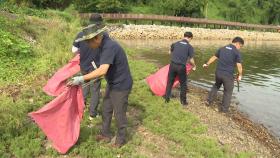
(227, 56)
(181, 51)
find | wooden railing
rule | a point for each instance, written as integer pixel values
(186, 20)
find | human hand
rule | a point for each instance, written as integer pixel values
(194, 68)
(239, 77)
(205, 65)
(76, 81)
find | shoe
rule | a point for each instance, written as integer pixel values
(167, 100)
(101, 138)
(91, 117)
(184, 103)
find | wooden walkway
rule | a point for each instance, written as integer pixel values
(185, 21)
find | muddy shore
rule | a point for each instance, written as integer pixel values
(234, 130)
(173, 32)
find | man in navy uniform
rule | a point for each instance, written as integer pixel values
(181, 53)
(228, 57)
(89, 61)
(114, 65)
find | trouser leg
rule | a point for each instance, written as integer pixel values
(228, 83)
(86, 90)
(213, 93)
(120, 102)
(170, 81)
(107, 112)
(183, 84)
(95, 94)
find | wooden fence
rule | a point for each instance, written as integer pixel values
(199, 22)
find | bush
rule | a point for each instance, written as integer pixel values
(54, 4)
(102, 6)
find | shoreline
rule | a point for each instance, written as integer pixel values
(174, 32)
(256, 130)
(247, 135)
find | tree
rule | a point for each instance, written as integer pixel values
(111, 6)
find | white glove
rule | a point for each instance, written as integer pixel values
(77, 80)
(205, 65)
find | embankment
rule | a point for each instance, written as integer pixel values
(173, 32)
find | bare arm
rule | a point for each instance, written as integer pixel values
(101, 71)
(239, 69)
(192, 62)
(211, 60)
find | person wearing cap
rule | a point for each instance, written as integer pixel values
(228, 57)
(89, 61)
(181, 52)
(114, 65)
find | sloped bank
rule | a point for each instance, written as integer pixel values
(173, 32)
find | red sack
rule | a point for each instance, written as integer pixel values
(57, 83)
(60, 119)
(158, 80)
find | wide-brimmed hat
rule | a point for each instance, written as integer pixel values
(91, 31)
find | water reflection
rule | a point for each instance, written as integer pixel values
(260, 87)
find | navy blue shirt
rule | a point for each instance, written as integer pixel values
(228, 57)
(118, 76)
(181, 51)
(87, 55)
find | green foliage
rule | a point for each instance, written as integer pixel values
(251, 11)
(13, 47)
(54, 4)
(190, 8)
(21, 9)
(15, 53)
(103, 6)
(111, 6)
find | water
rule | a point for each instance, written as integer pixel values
(259, 94)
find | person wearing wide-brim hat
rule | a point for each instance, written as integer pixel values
(114, 65)
(89, 61)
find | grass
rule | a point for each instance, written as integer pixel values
(21, 92)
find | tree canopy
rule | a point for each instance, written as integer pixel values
(249, 11)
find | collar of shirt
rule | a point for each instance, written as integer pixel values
(232, 46)
(184, 40)
(105, 37)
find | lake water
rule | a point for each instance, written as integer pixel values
(259, 95)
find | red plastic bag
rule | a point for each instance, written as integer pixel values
(158, 81)
(60, 119)
(57, 83)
